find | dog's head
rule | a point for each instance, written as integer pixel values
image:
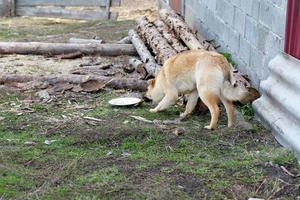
(154, 91)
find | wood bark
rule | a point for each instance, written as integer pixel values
(177, 24)
(160, 46)
(169, 35)
(84, 41)
(151, 66)
(39, 48)
(112, 82)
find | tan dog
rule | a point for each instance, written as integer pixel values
(198, 73)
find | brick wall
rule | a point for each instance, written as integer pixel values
(251, 30)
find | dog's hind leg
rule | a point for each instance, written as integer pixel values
(230, 111)
(191, 104)
(169, 99)
(211, 101)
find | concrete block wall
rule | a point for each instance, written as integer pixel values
(251, 30)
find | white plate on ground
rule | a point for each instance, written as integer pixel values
(125, 101)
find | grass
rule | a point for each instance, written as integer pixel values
(121, 158)
(88, 161)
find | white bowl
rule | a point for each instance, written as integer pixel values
(125, 101)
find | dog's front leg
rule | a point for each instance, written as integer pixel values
(169, 99)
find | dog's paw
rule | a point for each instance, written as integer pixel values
(208, 127)
(182, 115)
(153, 110)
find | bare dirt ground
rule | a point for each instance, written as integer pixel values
(50, 150)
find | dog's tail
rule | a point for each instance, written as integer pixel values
(233, 91)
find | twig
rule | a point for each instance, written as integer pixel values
(142, 119)
(287, 171)
(93, 119)
(156, 122)
(264, 181)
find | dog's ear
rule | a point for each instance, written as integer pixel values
(151, 82)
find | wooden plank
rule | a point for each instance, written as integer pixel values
(75, 3)
(62, 13)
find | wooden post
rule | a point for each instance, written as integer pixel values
(12, 8)
(107, 9)
(6, 8)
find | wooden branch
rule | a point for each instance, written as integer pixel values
(151, 66)
(125, 40)
(177, 24)
(169, 35)
(84, 41)
(39, 48)
(117, 83)
(160, 46)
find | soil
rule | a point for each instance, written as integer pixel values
(119, 157)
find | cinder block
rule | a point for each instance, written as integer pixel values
(251, 7)
(272, 17)
(251, 30)
(262, 34)
(232, 39)
(217, 25)
(225, 11)
(257, 61)
(273, 45)
(239, 20)
(212, 5)
(244, 50)
(236, 3)
(278, 3)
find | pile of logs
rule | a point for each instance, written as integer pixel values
(154, 42)
(164, 38)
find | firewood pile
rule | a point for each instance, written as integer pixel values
(152, 42)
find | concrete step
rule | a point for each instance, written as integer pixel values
(285, 97)
(287, 69)
(285, 129)
(279, 105)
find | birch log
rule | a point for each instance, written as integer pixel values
(151, 66)
(116, 83)
(177, 24)
(169, 35)
(85, 41)
(39, 48)
(160, 46)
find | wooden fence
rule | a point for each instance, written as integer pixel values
(69, 9)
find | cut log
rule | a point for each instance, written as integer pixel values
(141, 67)
(169, 35)
(160, 46)
(39, 48)
(70, 55)
(116, 83)
(135, 63)
(151, 66)
(177, 24)
(125, 40)
(92, 70)
(84, 41)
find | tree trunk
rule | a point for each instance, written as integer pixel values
(85, 41)
(117, 83)
(160, 46)
(151, 66)
(169, 35)
(39, 48)
(177, 24)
